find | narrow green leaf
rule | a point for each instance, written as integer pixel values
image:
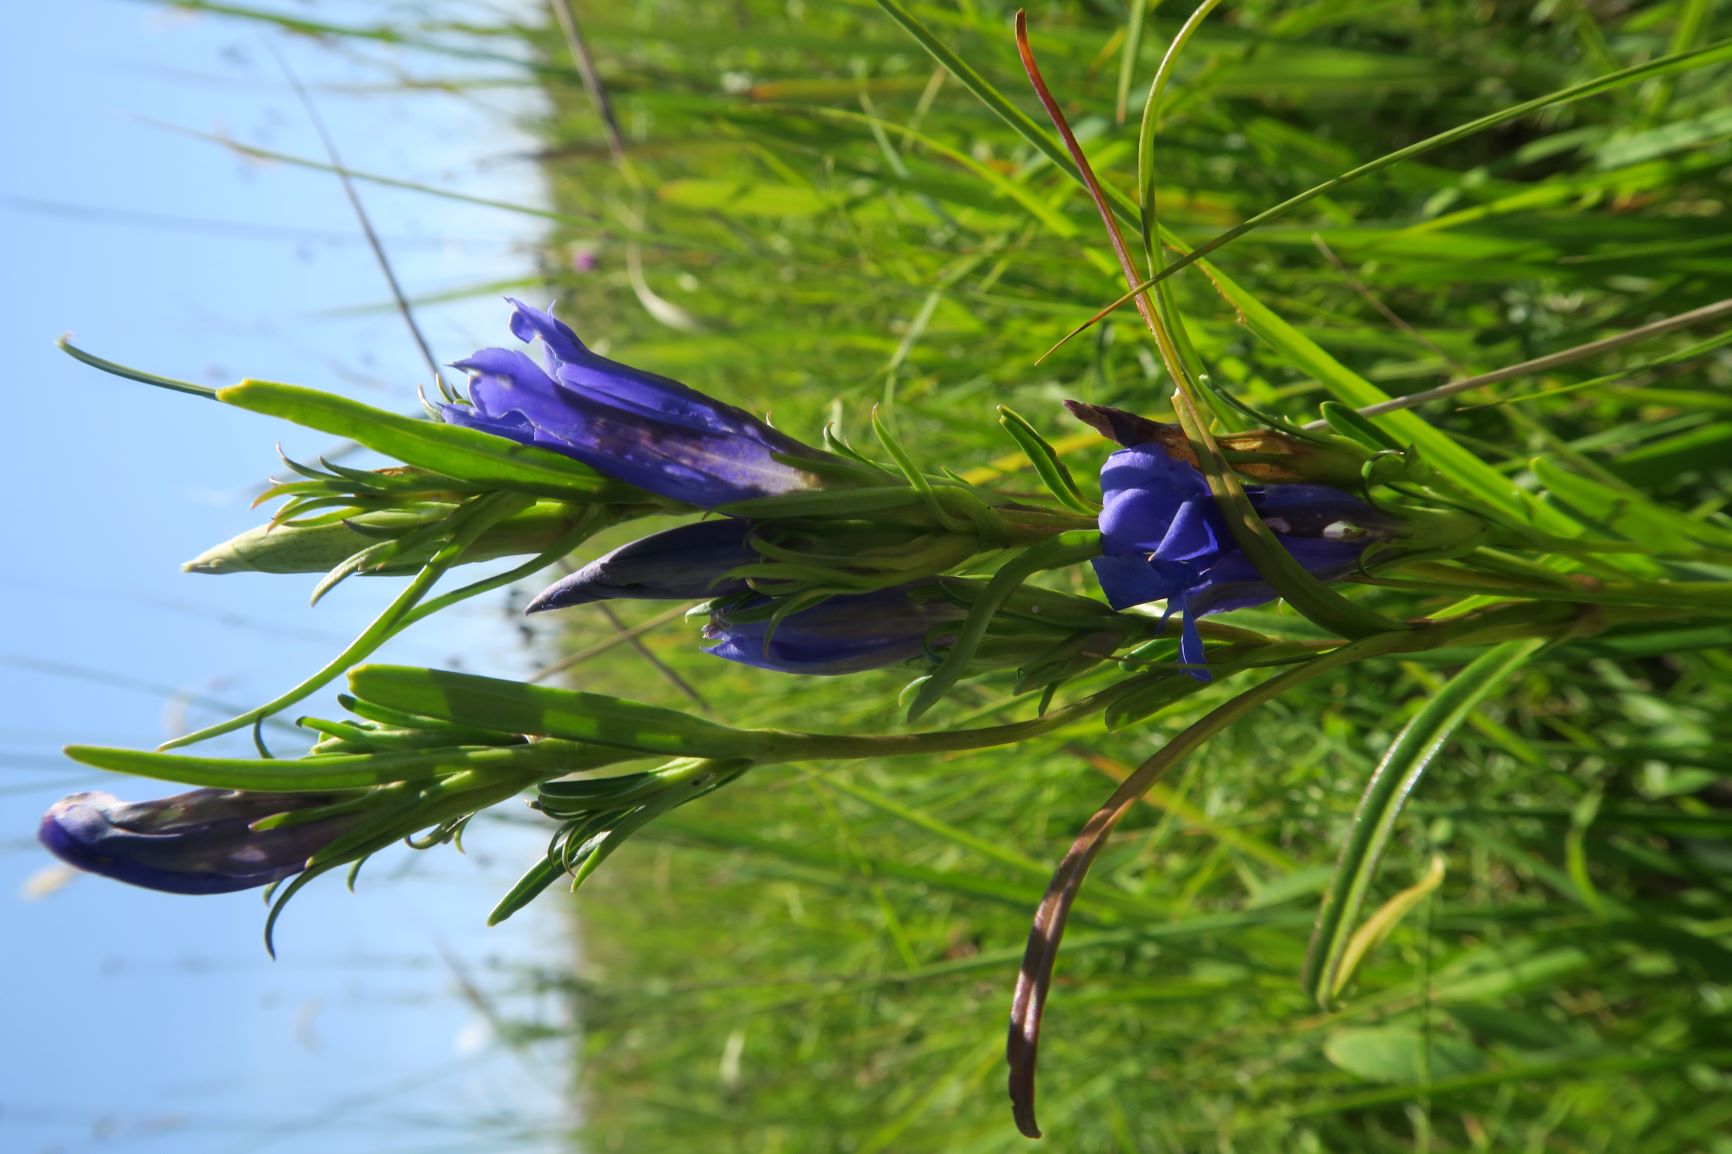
(132, 374)
(1046, 461)
(1152, 694)
(541, 710)
(1576, 849)
(328, 771)
(467, 454)
(528, 887)
(988, 94)
(698, 777)
(569, 797)
(1378, 926)
(1380, 807)
(1462, 467)
(1625, 510)
(916, 479)
(1128, 55)
(397, 718)
(1361, 430)
(1147, 130)
(595, 519)
(1034, 978)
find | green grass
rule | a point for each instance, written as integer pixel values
(822, 959)
(812, 217)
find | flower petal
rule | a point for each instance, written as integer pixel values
(1134, 580)
(1136, 520)
(560, 342)
(632, 425)
(505, 381)
(1151, 467)
(1191, 650)
(1196, 532)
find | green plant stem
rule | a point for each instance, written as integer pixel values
(1698, 596)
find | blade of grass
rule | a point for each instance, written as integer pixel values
(1665, 65)
(1380, 808)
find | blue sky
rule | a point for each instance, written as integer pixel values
(140, 1021)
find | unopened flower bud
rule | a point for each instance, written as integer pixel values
(683, 564)
(838, 635)
(200, 842)
(292, 548)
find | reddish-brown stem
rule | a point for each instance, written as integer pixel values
(1133, 276)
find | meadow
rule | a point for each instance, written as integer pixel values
(810, 214)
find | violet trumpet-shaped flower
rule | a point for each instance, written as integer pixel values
(1164, 538)
(843, 634)
(193, 843)
(632, 425)
(683, 564)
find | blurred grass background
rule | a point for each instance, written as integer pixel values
(800, 212)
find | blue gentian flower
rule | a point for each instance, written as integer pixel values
(632, 425)
(1164, 538)
(683, 564)
(838, 635)
(193, 843)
